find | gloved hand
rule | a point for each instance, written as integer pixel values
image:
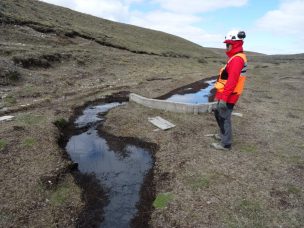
(222, 105)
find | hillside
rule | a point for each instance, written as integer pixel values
(54, 62)
(221, 52)
(54, 19)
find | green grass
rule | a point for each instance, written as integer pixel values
(247, 148)
(199, 182)
(294, 190)
(3, 144)
(59, 196)
(249, 209)
(29, 142)
(295, 159)
(30, 119)
(162, 199)
(251, 213)
(248, 213)
(10, 100)
(29, 91)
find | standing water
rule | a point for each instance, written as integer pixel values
(121, 168)
(199, 97)
(195, 93)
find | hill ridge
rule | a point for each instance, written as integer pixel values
(44, 18)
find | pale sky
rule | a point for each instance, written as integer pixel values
(272, 26)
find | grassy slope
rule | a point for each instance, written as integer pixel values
(48, 17)
(221, 52)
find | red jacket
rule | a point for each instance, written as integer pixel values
(233, 68)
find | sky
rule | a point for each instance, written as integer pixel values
(271, 26)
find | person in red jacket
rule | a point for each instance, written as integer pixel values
(229, 86)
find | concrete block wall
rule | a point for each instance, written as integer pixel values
(172, 106)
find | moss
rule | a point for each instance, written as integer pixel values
(61, 123)
(162, 200)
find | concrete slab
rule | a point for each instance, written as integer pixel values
(161, 123)
(172, 106)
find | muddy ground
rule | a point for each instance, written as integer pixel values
(259, 183)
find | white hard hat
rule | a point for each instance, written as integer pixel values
(235, 35)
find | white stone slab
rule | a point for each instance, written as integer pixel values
(237, 114)
(161, 123)
(6, 118)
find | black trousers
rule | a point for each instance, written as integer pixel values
(223, 119)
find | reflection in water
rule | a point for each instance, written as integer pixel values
(90, 114)
(202, 96)
(120, 172)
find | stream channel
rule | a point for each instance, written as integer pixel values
(122, 166)
(119, 164)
